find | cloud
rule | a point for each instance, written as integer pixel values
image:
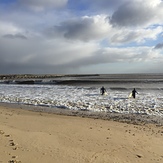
(40, 54)
(112, 55)
(85, 28)
(16, 36)
(7, 27)
(61, 56)
(60, 39)
(135, 35)
(159, 46)
(120, 60)
(137, 13)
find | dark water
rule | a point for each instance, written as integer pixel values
(118, 81)
(145, 82)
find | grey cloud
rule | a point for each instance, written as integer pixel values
(159, 46)
(21, 68)
(78, 29)
(72, 30)
(100, 56)
(132, 14)
(129, 37)
(37, 56)
(84, 29)
(103, 56)
(66, 52)
(15, 36)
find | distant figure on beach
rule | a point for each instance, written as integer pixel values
(102, 90)
(134, 93)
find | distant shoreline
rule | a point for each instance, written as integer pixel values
(36, 76)
(80, 78)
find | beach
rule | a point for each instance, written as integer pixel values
(28, 136)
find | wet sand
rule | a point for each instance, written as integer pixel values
(35, 136)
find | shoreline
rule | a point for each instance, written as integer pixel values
(136, 119)
(35, 136)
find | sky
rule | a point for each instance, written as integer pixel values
(81, 36)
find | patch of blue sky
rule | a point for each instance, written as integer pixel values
(79, 7)
(105, 43)
(158, 40)
(7, 1)
(153, 26)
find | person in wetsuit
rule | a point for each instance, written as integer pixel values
(134, 93)
(103, 90)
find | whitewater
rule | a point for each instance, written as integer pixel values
(87, 97)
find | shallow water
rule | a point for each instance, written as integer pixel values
(85, 96)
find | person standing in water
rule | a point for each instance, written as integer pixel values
(102, 90)
(134, 93)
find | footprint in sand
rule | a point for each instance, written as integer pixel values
(7, 135)
(14, 161)
(14, 145)
(2, 132)
(13, 157)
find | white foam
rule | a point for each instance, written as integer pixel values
(82, 98)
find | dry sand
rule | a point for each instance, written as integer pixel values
(36, 137)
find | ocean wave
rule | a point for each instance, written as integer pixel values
(83, 98)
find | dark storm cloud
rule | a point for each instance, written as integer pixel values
(15, 36)
(159, 46)
(132, 14)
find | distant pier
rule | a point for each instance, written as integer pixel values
(40, 76)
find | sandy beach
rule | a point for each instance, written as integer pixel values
(38, 137)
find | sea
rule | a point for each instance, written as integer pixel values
(82, 92)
